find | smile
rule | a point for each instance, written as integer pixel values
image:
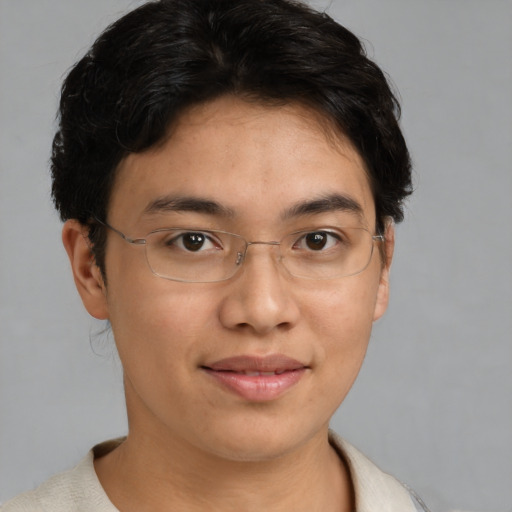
(257, 379)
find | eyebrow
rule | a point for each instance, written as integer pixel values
(167, 204)
(325, 204)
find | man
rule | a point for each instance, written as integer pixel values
(229, 174)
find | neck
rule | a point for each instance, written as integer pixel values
(151, 473)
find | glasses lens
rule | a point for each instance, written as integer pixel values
(327, 253)
(193, 256)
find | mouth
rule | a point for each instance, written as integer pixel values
(257, 379)
(255, 374)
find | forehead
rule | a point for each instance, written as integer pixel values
(255, 161)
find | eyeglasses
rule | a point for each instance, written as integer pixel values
(209, 256)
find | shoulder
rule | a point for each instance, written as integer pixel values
(375, 489)
(76, 490)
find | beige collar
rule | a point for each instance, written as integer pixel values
(374, 489)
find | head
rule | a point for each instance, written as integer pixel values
(253, 117)
(153, 64)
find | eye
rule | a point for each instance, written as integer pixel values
(318, 241)
(194, 241)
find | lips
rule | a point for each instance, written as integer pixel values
(257, 379)
(264, 374)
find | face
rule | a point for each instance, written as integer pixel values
(252, 367)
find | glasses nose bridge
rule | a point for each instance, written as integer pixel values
(261, 242)
(242, 255)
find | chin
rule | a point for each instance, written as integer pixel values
(253, 452)
(258, 442)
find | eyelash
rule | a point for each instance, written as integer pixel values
(327, 234)
(326, 239)
(178, 240)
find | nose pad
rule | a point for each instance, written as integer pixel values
(240, 255)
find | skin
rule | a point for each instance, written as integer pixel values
(193, 444)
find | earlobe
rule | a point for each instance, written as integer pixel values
(387, 256)
(87, 275)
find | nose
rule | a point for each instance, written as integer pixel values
(260, 296)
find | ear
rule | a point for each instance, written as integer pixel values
(386, 258)
(87, 275)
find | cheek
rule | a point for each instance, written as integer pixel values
(341, 318)
(346, 305)
(344, 326)
(160, 336)
(156, 322)
(147, 309)
(160, 316)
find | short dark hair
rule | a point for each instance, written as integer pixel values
(167, 55)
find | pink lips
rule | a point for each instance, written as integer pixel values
(257, 379)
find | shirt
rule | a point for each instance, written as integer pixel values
(79, 490)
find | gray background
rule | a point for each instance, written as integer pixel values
(433, 402)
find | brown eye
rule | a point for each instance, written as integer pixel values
(316, 241)
(193, 241)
